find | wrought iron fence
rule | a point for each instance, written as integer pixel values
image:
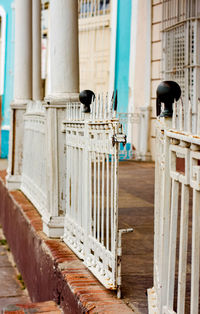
(91, 221)
(177, 216)
(34, 180)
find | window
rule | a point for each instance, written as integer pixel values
(90, 8)
(181, 46)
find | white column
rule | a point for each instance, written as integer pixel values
(64, 46)
(140, 75)
(23, 50)
(22, 89)
(36, 42)
(64, 68)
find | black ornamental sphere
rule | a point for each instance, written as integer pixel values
(86, 97)
(167, 93)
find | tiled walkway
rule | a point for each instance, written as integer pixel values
(136, 196)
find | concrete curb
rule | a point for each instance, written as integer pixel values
(49, 268)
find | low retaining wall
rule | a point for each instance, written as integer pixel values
(51, 271)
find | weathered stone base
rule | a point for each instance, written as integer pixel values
(49, 268)
(13, 182)
(53, 227)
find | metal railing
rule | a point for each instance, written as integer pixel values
(34, 174)
(91, 221)
(177, 215)
(85, 196)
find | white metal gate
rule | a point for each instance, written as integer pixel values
(91, 222)
(177, 215)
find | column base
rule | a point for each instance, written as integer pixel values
(16, 138)
(53, 227)
(13, 182)
(143, 157)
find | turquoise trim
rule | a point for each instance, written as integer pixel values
(4, 143)
(122, 53)
(8, 77)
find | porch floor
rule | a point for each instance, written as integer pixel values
(136, 201)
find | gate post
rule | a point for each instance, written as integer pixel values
(167, 93)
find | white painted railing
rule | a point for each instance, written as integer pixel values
(91, 221)
(186, 117)
(136, 127)
(34, 173)
(177, 215)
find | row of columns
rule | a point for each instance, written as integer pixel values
(63, 48)
(64, 87)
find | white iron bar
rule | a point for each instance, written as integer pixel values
(182, 270)
(76, 177)
(111, 205)
(88, 8)
(172, 244)
(98, 12)
(107, 201)
(164, 223)
(180, 116)
(90, 193)
(73, 185)
(189, 116)
(106, 108)
(70, 180)
(101, 107)
(104, 6)
(198, 117)
(174, 115)
(102, 198)
(67, 179)
(195, 253)
(80, 186)
(95, 203)
(98, 199)
(115, 219)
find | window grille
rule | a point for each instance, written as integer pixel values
(181, 47)
(91, 8)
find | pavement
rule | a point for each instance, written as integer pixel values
(14, 297)
(136, 201)
(12, 289)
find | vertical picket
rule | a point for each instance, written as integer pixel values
(182, 268)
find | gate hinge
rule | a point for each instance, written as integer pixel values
(119, 138)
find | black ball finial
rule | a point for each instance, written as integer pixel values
(86, 97)
(167, 93)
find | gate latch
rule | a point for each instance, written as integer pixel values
(119, 138)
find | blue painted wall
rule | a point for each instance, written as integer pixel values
(122, 53)
(8, 77)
